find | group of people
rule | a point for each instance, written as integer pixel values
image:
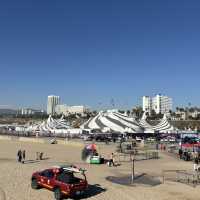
(162, 147)
(21, 156)
(185, 154)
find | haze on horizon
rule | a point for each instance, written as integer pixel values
(90, 52)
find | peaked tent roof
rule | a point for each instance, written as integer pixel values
(50, 125)
(113, 121)
(162, 126)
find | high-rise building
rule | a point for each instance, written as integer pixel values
(146, 104)
(51, 104)
(159, 103)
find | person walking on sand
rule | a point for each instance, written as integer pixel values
(23, 156)
(37, 155)
(196, 162)
(180, 152)
(19, 155)
(111, 161)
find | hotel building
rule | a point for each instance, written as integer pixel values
(52, 101)
(159, 103)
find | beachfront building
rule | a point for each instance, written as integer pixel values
(30, 111)
(147, 104)
(52, 101)
(66, 110)
(159, 103)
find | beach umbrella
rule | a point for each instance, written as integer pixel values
(88, 150)
(92, 147)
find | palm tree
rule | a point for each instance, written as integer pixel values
(138, 111)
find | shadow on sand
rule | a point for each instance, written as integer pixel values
(30, 161)
(47, 158)
(140, 179)
(35, 161)
(92, 190)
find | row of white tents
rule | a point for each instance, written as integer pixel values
(50, 127)
(104, 121)
(116, 122)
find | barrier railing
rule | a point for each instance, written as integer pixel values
(126, 157)
(182, 176)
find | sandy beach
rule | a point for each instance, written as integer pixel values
(15, 177)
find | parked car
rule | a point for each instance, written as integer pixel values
(151, 139)
(88, 138)
(61, 180)
(103, 138)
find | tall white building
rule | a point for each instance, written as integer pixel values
(159, 103)
(146, 104)
(51, 104)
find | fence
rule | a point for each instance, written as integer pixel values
(126, 157)
(40, 140)
(182, 176)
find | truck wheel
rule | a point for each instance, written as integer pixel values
(34, 184)
(57, 194)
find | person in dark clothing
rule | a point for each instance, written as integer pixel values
(19, 155)
(41, 155)
(120, 146)
(96, 154)
(157, 146)
(198, 156)
(180, 152)
(185, 155)
(188, 156)
(196, 162)
(106, 141)
(23, 156)
(37, 155)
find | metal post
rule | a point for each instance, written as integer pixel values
(163, 173)
(133, 169)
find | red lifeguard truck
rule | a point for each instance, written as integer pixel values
(61, 180)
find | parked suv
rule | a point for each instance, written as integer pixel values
(61, 180)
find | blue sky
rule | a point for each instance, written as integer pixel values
(91, 51)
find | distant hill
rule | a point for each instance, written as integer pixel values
(5, 111)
